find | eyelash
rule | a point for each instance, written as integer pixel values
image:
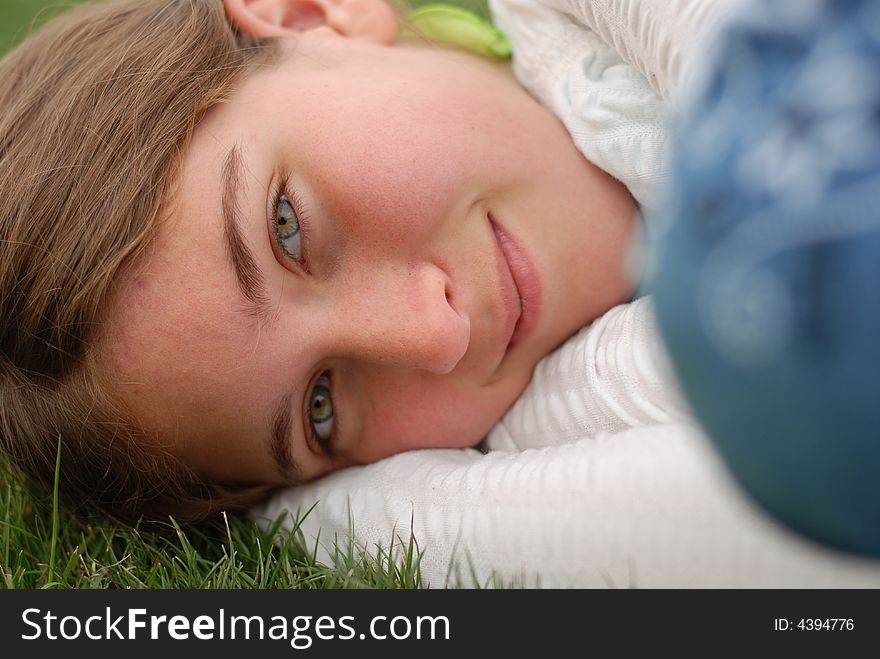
(281, 189)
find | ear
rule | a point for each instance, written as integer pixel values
(358, 19)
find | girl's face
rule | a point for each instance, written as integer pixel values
(368, 250)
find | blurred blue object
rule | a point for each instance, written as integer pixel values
(767, 280)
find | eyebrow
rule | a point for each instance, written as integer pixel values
(279, 443)
(251, 281)
(252, 286)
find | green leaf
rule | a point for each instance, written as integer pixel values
(458, 27)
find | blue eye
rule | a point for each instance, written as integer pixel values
(321, 414)
(287, 230)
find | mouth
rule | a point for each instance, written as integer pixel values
(525, 305)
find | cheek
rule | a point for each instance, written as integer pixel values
(372, 178)
(419, 411)
(431, 417)
(406, 163)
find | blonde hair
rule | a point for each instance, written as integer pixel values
(95, 111)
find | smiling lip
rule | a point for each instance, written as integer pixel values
(526, 283)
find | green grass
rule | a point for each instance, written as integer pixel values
(47, 547)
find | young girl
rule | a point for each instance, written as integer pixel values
(248, 243)
(245, 244)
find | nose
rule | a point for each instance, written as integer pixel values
(405, 315)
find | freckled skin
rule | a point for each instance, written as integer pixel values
(397, 154)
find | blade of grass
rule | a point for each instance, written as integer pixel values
(55, 512)
(6, 522)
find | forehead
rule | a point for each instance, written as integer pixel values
(175, 301)
(175, 314)
(184, 358)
